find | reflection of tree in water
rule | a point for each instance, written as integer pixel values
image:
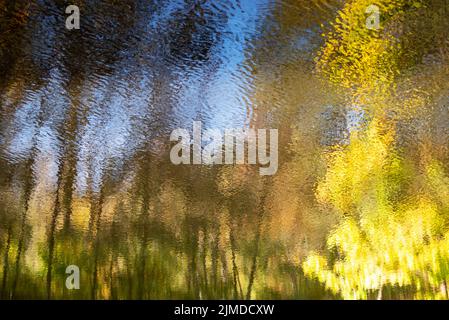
(85, 177)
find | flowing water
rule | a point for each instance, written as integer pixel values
(358, 206)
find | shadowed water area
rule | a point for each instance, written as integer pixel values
(358, 207)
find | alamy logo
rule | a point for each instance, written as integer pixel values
(73, 280)
(227, 148)
(72, 21)
(373, 20)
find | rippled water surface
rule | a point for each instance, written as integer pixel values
(357, 209)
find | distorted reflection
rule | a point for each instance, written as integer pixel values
(358, 207)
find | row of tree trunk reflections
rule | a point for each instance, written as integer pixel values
(152, 238)
(86, 177)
